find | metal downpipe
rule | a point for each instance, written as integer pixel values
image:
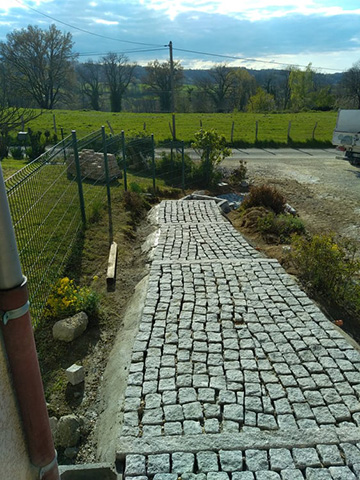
(20, 349)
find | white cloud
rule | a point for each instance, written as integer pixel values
(106, 22)
(248, 9)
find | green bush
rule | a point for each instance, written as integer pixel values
(238, 175)
(170, 168)
(135, 187)
(212, 149)
(282, 225)
(265, 196)
(66, 299)
(135, 204)
(17, 153)
(329, 267)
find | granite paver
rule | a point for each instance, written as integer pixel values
(236, 374)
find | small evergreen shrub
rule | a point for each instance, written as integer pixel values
(282, 225)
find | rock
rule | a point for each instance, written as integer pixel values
(70, 452)
(68, 431)
(92, 165)
(70, 328)
(53, 425)
(75, 374)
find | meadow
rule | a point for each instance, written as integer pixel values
(241, 127)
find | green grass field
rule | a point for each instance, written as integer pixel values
(271, 127)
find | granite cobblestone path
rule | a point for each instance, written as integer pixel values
(235, 374)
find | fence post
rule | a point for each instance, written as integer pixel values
(153, 160)
(171, 160)
(232, 132)
(124, 158)
(256, 130)
(207, 168)
(107, 177)
(313, 133)
(62, 138)
(182, 166)
(78, 177)
(288, 132)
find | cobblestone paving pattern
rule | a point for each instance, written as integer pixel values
(235, 373)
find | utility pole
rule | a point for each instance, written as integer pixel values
(172, 93)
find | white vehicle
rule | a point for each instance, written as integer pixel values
(346, 135)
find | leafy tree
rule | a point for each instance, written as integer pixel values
(323, 98)
(158, 78)
(40, 63)
(212, 149)
(301, 83)
(351, 83)
(261, 102)
(244, 86)
(90, 74)
(118, 73)
(218, 86)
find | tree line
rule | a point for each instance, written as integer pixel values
(38, 68)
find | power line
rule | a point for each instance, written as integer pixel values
(85, 31)
(218, 55)
(232, 57)
(94, 54)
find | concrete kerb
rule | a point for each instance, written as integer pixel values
(116, 374)
(262, 440)
(89, 471)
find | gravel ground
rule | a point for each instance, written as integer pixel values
(324, 189)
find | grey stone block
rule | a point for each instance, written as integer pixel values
(330, 455)
(231, 460)
(207, 462)
(256, 460)
(280, 459)
(135, 465)
(306, 457)
(341, 473)
(242, 476)
(158, 464)
(182, 462)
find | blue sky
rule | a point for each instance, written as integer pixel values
(262, 33)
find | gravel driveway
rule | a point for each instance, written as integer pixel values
(324, 189)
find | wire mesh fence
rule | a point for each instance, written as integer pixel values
(53, 197)
(46, 211)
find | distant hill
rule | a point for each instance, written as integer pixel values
(262, 76)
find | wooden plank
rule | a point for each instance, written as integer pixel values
(111, 270)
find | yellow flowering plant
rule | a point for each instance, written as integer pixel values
(66, 299)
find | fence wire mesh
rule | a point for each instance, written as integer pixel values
(50, 203)
(44, 203)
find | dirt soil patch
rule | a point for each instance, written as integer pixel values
(93, 348)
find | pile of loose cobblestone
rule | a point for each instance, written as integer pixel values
(235, 373)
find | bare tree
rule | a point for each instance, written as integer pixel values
(118, 73)
(40, 63)
(158, 78)
(351, 83)
(90, 75)
(218, 86)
